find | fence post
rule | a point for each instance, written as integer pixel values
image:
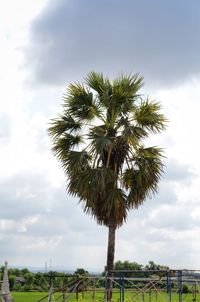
(77, 287)
(180, 291)
(121, 287)
(93, 289)
(169, 286)
(106, 286)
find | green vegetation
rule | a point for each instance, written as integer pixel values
(28, 296)
(99, 140)
(91, 293)
(99, 297)
(22, 280)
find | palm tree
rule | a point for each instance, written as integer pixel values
(98, 139)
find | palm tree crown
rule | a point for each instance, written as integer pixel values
(99, 141)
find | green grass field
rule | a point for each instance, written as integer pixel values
(99, 297)
(36, 296)
(27, 297)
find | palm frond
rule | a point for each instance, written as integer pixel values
(77, 161)
(103, 203)
(129, 84)
(100, 130)
(142, 179)
(125, 89)
(119, 152)
(97, 82)
(116, 206)
(102, 86)
(133, 133)
(147, 115)
(91, 186)
(62, 124)
(99, 141)
(64, 144)
(80, 103)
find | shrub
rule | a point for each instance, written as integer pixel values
(185, 289)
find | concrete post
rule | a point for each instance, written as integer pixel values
(5, 289)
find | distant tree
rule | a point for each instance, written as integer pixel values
(29, 277)
(41, 280)
(153, 266)
(81, 272)
(127, 265)
(11, 281)
(43, 283)
(59, 279)
(18, 287)
(37, 278)
(15, 271)
(2, 270)
(24, 271)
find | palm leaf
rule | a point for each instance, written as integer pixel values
(125, 89)
(62, 124)
(147, 115)
(99, 142)
(97, 82)
(132, 133)
(80, 103)
(77, 161)
(130, 84)
(63, 145)
(142, 179)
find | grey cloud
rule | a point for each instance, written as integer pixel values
(26, 196)
(23, 195)
(5, 129)
(42, 221)
(166, 195)
(178, 172)
(8, 246)
(175, 218)
(171, 214)
(144, 245)
(159, 39)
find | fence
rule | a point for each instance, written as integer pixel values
(135, 286)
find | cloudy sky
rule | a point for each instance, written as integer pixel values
(45, 45)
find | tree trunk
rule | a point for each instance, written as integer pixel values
(110, 259)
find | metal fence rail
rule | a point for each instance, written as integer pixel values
(135, 286)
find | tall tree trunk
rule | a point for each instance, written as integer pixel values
(110, 258)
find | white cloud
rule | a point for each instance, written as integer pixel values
(182, 107)
(38, 220)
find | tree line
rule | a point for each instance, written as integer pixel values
(26, 280)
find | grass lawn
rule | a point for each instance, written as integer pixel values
(99, 297)
(27, 296)
(36, 296)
